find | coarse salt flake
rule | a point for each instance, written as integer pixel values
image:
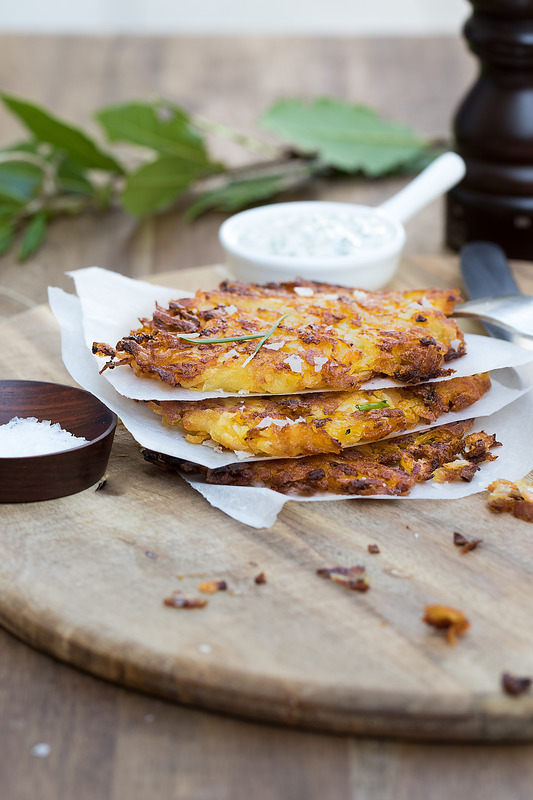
(27, 436)
(266, 422)
(330, 296)
(294, 362)
(304, 291)
(230, 310)
(241, 454)
(319, 362)
(213, 445)
(274, 346)
(229, 354)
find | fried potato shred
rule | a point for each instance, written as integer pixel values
(331, 338)
(390, 467)
(321, 422)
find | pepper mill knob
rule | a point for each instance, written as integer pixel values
(493, 130)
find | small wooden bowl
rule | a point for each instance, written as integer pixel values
(30, 478)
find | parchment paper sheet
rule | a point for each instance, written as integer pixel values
(146, 426)
(513, 428)
(111, 305)
(506, 410)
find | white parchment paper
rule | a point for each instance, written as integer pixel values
(146, 426)
(512, 425)
(111, 305)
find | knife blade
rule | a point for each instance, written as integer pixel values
(486, 273)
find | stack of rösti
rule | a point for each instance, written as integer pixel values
(306, 350)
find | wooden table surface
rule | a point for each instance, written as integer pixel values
(108, 743)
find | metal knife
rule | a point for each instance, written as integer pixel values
(486, 274)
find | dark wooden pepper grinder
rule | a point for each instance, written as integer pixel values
(494, 132)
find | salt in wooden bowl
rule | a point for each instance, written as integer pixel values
(44, 477)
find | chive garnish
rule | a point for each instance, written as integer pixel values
(369, 406)
(196, 340)
(263, 336)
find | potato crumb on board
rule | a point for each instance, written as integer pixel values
(515, 686)
(180, 600)
(210, 587)
(465, 545)
(354, 578)
(446, 618)
(515, 497)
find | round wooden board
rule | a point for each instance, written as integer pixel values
(84, 578)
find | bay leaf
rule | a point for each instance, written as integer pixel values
(155, 186)
(347, 137)
(7, 232)
(237, 195)
(19, 181)
(60, 134)
(33, 236)
(166, 130)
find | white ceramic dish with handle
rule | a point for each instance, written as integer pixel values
(371, 262)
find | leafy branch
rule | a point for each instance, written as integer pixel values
(59, 169)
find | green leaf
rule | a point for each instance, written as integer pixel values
(19, 181)
(238, 194)
(73, 179)
(423, 159)
(344, 136)
(103, 196)
(163, 129)
(157, 185)
(34, 236)
(370, 406)
(65, 137)
(8, 209)
(28, 146)
(6, 236)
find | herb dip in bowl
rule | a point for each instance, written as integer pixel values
(344, 243)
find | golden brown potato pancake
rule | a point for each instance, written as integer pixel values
(318, 422)
(390, 467)
(327, 337)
